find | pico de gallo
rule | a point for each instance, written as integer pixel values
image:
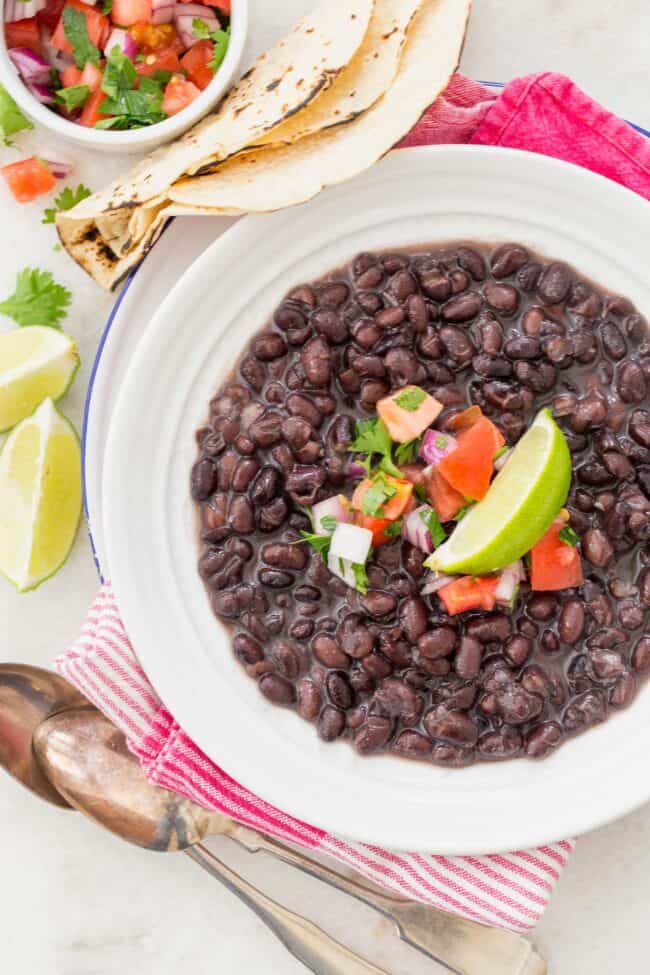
(116, 64)
(417, 482)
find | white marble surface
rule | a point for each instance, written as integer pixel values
(73, 900)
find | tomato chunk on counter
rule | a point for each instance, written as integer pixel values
(408, 412)
(470, 466)
(445, 500)
(554, 564)
(469, 592)
(24, 33)
(197, 63)
(28, 179)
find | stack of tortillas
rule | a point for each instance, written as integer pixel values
(330, 99)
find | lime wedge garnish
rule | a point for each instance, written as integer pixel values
(519, 508)
(40, 497)
(35, 362)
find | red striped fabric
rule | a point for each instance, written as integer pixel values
(509, 890)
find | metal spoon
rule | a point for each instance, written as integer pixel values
(29, 695)
(86, 757)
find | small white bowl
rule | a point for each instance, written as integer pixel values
(131, 140)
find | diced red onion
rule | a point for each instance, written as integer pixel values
(436, 445)
(42, 94)
(60, 170)
(184, 16)
(508, 584)
(415, 531)
(436, 581)
(343, 569)
(162, 11)
(356, 470)
(500, 462)
(330, 508)
(16, 10)
(121, 38)
(351, 542)
(31, 67)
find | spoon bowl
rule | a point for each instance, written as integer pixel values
(29, 696)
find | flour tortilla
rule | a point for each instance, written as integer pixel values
(274, 177)
(281, 82)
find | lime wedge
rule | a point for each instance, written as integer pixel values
(35, 362)
(519, 508)
(40, 497)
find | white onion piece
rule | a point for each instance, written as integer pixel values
(351, 542)
(436, 581)
(330, 508)
(31, 67)
(184, 22)
(500, 462)
(16, 10)
(121, 38)
(343, 569)
(415, 531)
(508, 584)
(436, 445)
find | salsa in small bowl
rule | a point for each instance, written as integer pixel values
(120, 74)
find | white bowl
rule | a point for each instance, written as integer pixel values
(413, 197)
(132, 140)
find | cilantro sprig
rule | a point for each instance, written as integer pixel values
(73, 96)
(405, 453)
(37, 300)
(220, 39)
(378, 493)
(372, 437)
(76, 31)
(319, 543)
(12, 119)
(129, 107)
(568, 536)
(435, 529)
(66, 200)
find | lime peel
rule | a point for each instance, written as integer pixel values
(520, 506)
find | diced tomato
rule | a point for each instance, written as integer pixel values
(446, 501)
(91, 110)
(154, 37)
(165, 60)
(414, 473)
(553, 563)
(377, 526)
(470, 466)
(404, 424)
(70, 76)
(394, 507)
(28, 179)
(469, 592)
(92, 76)
(24, 33)
(179, 93)
(466, 419)
(128, 12)
(197, 63)
(50, 15)
(97, 26)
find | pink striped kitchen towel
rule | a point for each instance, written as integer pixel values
(544, 113)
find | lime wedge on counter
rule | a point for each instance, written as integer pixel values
(35, 362)
(40, 497)
(518, 509)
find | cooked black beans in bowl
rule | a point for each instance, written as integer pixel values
(371, 657)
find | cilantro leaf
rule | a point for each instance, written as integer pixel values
(463, 511)
(568, 536)
(410, 399)
(37, 300)
(12, 119)
(379, 492)
(106, 7)
(76, 31)
(420, 492)
(360, 577)
(319, 543)
(393, 529)
(221, 39)
(372, 437)
(329, 523)
(503, 450)
(66, 200)
(73, 96)
(128, 106)
(120, 75)
(200, 29)
(405, 453)
(435, 529)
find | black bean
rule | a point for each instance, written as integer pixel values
(468, 657)
(354, 637)
(435, 284)
(502, 297)
(417, 312)
(289, 315)
(330, 324)
(339, 690)
(451, 726)
(303, 482)
(457, 345)
(309, 699)
(517, 649)
(542, 739)
(522, 347)
(631, 383)
(613, 341)
(241, 516)
(622, 693)
(597, 548)
(461, 308)
(505, 743)
(268, 345)
(247, 649)
(472, 261)
(316, 360)
(204, 479)
(486, 365)
(331, 723)
(370, 278)
(373, 734)
(641, 656)
(277, 689)
(491, 334)
(507, 259)
(379, 603)
(429, 344)
(554, 283)
(413, 618)
(402, 366)
(285, 556)
(496, 627)
(437, 643)
(253, 372)
(411, 744)
(272, 515)
(572, 621)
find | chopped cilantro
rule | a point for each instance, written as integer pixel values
(221, 40)
(329, 523)
(360, 577)
(420, 492)
(66, 200)
(501, 452)
(37, 300)
(200, 29)
(393, 529)
(410, 399)
(463, 511)
(405, 453)
(73, 96)
(12, 119)
(76, 31)
(320, 543)
(130, 107)
(372, 437)
(568, 536)
(106, 7)
(379, 492)
(435, 529)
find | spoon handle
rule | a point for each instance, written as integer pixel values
(464, 947)
(319, 952)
